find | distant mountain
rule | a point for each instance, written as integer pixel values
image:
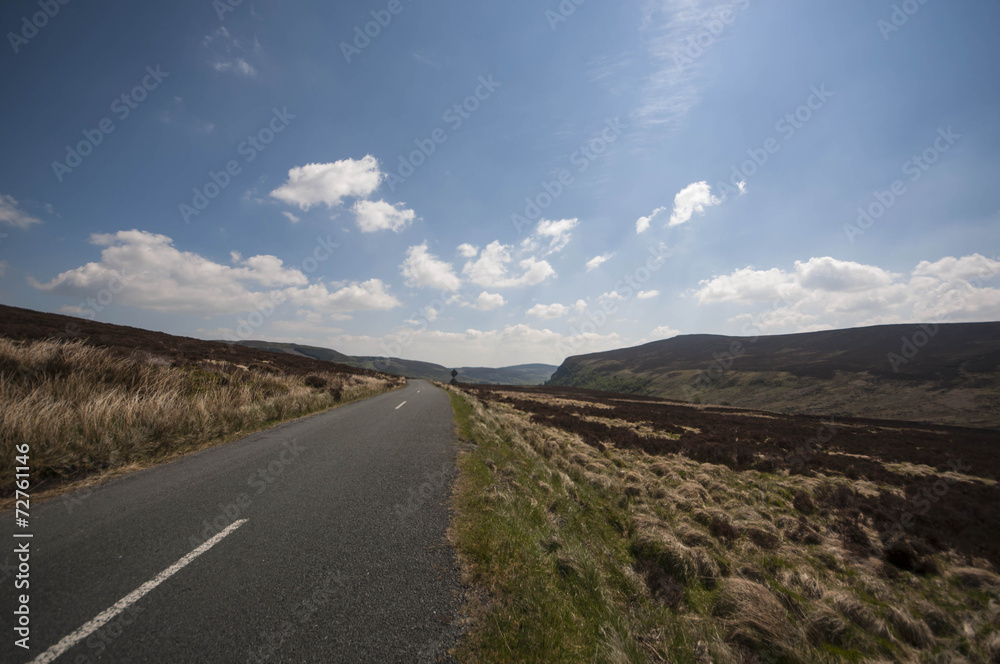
(523, 374)
(943, 373)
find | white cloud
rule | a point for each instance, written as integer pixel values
(823, 293)
(552, 236)
(693, 198)
(664, 332)
(513, 344)
(489, 301)
(490, 269)
(375, 216)
(968, 268)
(12, 215)
(580, 306)
(548, 311)
(673, 30)
(291, 217)
(642, 223)
(145, 270)
(467, 250)
(647, 294)
(228, 53)
(613, 296)
(314, 184)
(423, 269)
(371, 295)
(239, 66)
(830, 274)
(598, 261)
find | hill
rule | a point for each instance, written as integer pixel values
(27, 325)
(522, 374)
(941, 373)
(92, 400)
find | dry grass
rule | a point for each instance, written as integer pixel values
(84, 410)
(626, 556)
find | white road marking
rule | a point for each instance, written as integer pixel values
(130, 599)
(400, 405)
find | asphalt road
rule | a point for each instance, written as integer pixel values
(321, 540)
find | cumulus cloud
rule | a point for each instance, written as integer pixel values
(423, 269)
(693, 198)
(548, 311)
(490, 269)
(145, 270)
(550, 236)
(291, 217)
(513, 344)
(598, 261)
(330, 184)
(642, 223)
(664, 332)
(488, 301)
(467, 250)
(371, 295)
(375, 216)
(647, 294)
(12, 215)
(824, 292)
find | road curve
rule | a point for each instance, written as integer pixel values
(321, 540)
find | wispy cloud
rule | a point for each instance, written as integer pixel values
(12, 215)
(678, 34)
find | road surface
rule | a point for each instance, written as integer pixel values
(321, 540)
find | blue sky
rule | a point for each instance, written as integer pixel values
(468, 185)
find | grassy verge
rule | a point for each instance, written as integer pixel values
(85, 412)
(592, 553)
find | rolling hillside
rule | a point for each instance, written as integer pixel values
(942, 373)
(522, 374)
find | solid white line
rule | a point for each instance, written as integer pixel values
(400, 406)
(130, 599)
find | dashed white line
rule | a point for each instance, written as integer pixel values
(130, 599)
(400, 405)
